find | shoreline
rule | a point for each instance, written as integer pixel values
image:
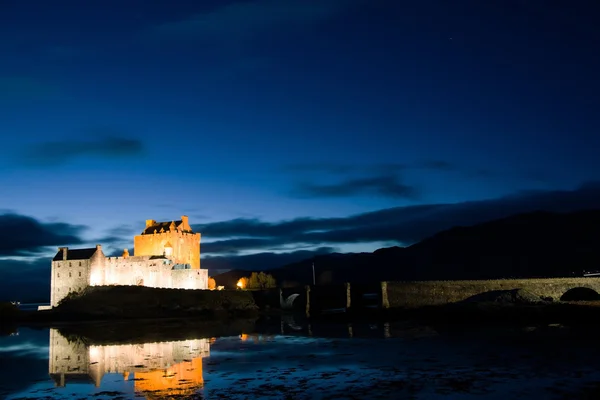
(455, 313)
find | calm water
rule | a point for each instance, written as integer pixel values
(300, 361)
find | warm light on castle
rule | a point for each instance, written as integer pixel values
(158, 370)
(165, 255)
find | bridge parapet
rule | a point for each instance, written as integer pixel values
(431, 293)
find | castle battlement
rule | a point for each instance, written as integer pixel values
(166, 255)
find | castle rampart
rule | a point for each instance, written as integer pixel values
(166, 255)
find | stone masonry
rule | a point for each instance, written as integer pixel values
(166, 255)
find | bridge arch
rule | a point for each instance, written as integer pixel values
(580, 293)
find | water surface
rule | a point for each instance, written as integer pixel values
(300, 361)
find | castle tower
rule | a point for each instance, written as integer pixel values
(174, 239)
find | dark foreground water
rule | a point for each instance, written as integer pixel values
(300, 361)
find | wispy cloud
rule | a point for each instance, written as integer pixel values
(383, 185)
(243, 19)
(61, 152)
(338, 168)
(381, 180)
(384, 179)
(381, 168)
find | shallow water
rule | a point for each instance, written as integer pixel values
(301, 361)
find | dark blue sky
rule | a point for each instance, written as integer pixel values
(277, 125)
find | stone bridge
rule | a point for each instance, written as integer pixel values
(324, 299)
(428, 293)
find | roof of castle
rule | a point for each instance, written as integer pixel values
(76, 254)
(161, 225)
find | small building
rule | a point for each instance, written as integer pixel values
(165, 255)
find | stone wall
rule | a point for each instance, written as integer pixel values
(186, 246)
(67, 355)
(189, 278)
(429, 293)
(68, 276)
(137, 271)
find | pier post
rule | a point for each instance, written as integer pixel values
(385, 303)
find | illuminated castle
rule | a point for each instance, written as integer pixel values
(166, 255)
(158, 370)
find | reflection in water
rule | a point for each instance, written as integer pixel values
(300, 359)
(168, 368)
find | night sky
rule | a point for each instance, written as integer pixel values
(287, 128)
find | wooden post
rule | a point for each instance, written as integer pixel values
(348, 296)
(307, 300)
(385, 303)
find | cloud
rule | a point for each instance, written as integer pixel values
(387, 179)
(58, 153)
(261, 261)
(381, 180)
(383, 168)
(343, 169)
(243, 19)
(438, 165)
(23, 236)
(401, 225)
(382, 185)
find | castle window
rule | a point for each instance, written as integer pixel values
(58, 275)
(80, 263)
(70, 265)
(69, 277)
(79, 273)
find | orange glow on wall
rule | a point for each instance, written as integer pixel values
(179, 379)
(212, 284)
(177, 240)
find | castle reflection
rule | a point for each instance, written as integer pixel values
(164, 368)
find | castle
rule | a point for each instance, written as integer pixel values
(157, 369)
(165, 255)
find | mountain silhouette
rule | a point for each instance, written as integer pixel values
(531, 245)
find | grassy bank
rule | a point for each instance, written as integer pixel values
(156, 330)
(139, 302)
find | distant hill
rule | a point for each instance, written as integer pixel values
(539, 244)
